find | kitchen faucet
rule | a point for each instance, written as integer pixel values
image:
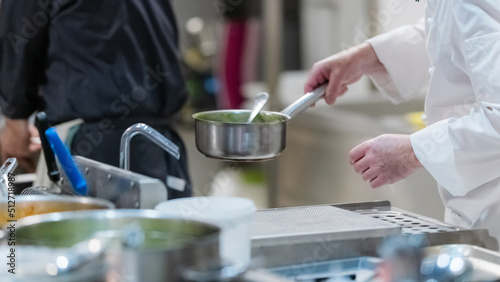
(151, 134)
(7, 168)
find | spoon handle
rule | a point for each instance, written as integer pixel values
(259, 103)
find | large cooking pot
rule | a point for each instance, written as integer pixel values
(141, 245)
(225, 134)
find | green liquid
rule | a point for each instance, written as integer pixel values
(230, 117)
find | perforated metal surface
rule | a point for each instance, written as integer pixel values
(409, 224)
(292, 236)
(298, 221)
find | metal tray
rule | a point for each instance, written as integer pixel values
(355, 269)
(287, 236)
(297, 223)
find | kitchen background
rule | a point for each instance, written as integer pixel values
(233, 49)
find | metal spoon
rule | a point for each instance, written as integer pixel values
(259, 103)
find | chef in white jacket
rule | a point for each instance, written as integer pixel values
(456, 50)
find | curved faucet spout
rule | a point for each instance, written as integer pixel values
(151, 134)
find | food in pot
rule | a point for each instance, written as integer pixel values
(31, 205)
(240, 117)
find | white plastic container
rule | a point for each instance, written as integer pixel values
(232, 214)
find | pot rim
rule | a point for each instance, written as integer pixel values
(196, 117)
(61, 199)
(104, 214)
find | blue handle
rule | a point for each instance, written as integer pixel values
(66, 161)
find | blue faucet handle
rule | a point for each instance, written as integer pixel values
(66, 160)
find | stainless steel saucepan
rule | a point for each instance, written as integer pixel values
(225, 134)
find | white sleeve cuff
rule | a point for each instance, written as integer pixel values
(433, 149)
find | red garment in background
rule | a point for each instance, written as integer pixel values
(237, 61)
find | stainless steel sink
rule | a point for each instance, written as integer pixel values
(460, 263)
(455, 262)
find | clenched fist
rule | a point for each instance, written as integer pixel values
(385, 159)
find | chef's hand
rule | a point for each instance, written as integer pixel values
(342, 69)
(16, 141)
(385, 159)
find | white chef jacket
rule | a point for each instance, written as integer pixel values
(456, 48)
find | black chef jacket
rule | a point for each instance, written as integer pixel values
(109, 62)
(89, 59)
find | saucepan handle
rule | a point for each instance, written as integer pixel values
(305, 101)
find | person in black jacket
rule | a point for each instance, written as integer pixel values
(111, 63)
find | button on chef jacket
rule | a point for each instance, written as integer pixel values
(456, 50)
(89, 59)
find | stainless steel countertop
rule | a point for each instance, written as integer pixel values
(322, 244)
